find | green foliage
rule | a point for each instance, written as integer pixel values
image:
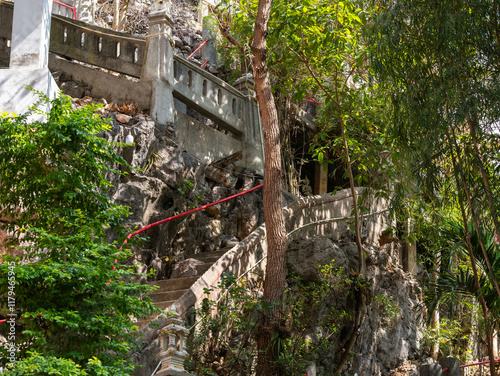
(453, 337)
(223, 342)
(46, 366)
(189, 193)
(389, 307)
(73, 295)
(40, 365)
(317, 49)
(455, 279)
(226, 331)
(440, 63)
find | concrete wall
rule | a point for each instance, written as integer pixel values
(203, 141)
(104, 85)
(28, 58)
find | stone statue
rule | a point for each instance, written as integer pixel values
(306, 187)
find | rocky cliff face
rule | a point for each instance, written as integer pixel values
(389, 332)
(166, 181)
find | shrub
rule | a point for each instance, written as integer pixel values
(73, 295)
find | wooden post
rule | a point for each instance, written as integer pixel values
(321, 178)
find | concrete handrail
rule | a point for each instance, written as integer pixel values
(310, 215)
(123, 53)
(209, 95)
(90, 44)
(97, 46)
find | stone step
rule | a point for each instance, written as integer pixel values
(174, 284)
(169, 290)
(162, 296)
(203, 268)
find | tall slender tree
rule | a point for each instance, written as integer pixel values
(274, 283)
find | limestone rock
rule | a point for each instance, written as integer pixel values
(177, 41)
(122, 118)
(187, 40)
(186, 268)
(304, 256)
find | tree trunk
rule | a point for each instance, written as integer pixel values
(116, 14)
(274, 283)
(123, 15)
(435, 317)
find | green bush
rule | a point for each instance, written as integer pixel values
(223, 341)
(73, 295)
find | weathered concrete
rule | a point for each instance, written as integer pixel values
(104, 85)
(210, 96)
(97, 46)
(209, 50)
(28, 58)
(202, 141)
(15, 97)
(30, 34)
(253, 153)
(174, 337)
(159, 66)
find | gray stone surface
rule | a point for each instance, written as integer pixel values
(431, 370)
(209, 51)
(450, 366)
(104, 85)
(304, 256)
(15, 98)
(186, 268)
(203, 141)
(85, 10)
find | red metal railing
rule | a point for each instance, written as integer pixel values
(191, 211)
(472, 364)
(195, 51)
(129, 236)
(67, 6)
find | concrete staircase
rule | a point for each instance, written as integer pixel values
(169, 290)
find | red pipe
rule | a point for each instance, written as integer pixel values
(473, 364)
(195, 51)
(309, 99)
(190, 212)
(67, 6)
(204, 64)
(182, 215)
(476, 364)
